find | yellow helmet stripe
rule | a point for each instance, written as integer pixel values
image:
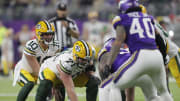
(86, 47)
(48, 25)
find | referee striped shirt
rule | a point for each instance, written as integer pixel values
(61, 35)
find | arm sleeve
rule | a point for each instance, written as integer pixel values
(65, 64)
(162, 46)
(116, 21)
(30, 48)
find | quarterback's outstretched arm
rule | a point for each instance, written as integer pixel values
(33, 63)
(68, 83)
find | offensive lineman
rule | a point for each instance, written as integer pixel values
(63, 68)
(35, 52)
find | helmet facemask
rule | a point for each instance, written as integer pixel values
(45, 32)
(82, 53)
(82, 62)
(47, 37)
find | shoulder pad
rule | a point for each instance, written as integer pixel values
(52, 19)
(31, 47)
(116, 19)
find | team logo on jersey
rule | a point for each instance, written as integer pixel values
(38, 26)
(77, 48)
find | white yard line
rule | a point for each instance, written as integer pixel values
(32, 94)
(12, 94)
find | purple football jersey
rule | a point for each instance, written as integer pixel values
(139, 27)
(123, 55)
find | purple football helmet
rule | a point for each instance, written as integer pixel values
(124, 5)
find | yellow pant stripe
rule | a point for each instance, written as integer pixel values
(28, 76)
(175, 69)
(21, 83)
(129, 61)
(81, 80)
(177, 62)
(167, 46)
(49, 75)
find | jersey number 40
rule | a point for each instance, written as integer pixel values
(142, 28)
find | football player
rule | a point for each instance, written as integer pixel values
(169, 50)
(172, 53)
(161, 38)
(65, 67)
(137, 31)
(35, 52)
(121, 58)
(86, 79)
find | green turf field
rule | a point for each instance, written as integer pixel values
(9, 93)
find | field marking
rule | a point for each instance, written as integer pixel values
(32, 94)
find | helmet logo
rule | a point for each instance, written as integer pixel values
(38, 26)
(77, 48)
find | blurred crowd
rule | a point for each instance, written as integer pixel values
(78, 9)
(94, 17)
(8, 48)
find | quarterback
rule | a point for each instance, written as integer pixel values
(63, 68)
(35, 52)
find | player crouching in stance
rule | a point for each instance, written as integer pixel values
(137, 30)
(63, 68)
(35, 52)
(121, 59)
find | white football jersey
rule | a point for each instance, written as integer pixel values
(67, 65)
(172, 47)
(33, 48)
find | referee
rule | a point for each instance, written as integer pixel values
(67, 31)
